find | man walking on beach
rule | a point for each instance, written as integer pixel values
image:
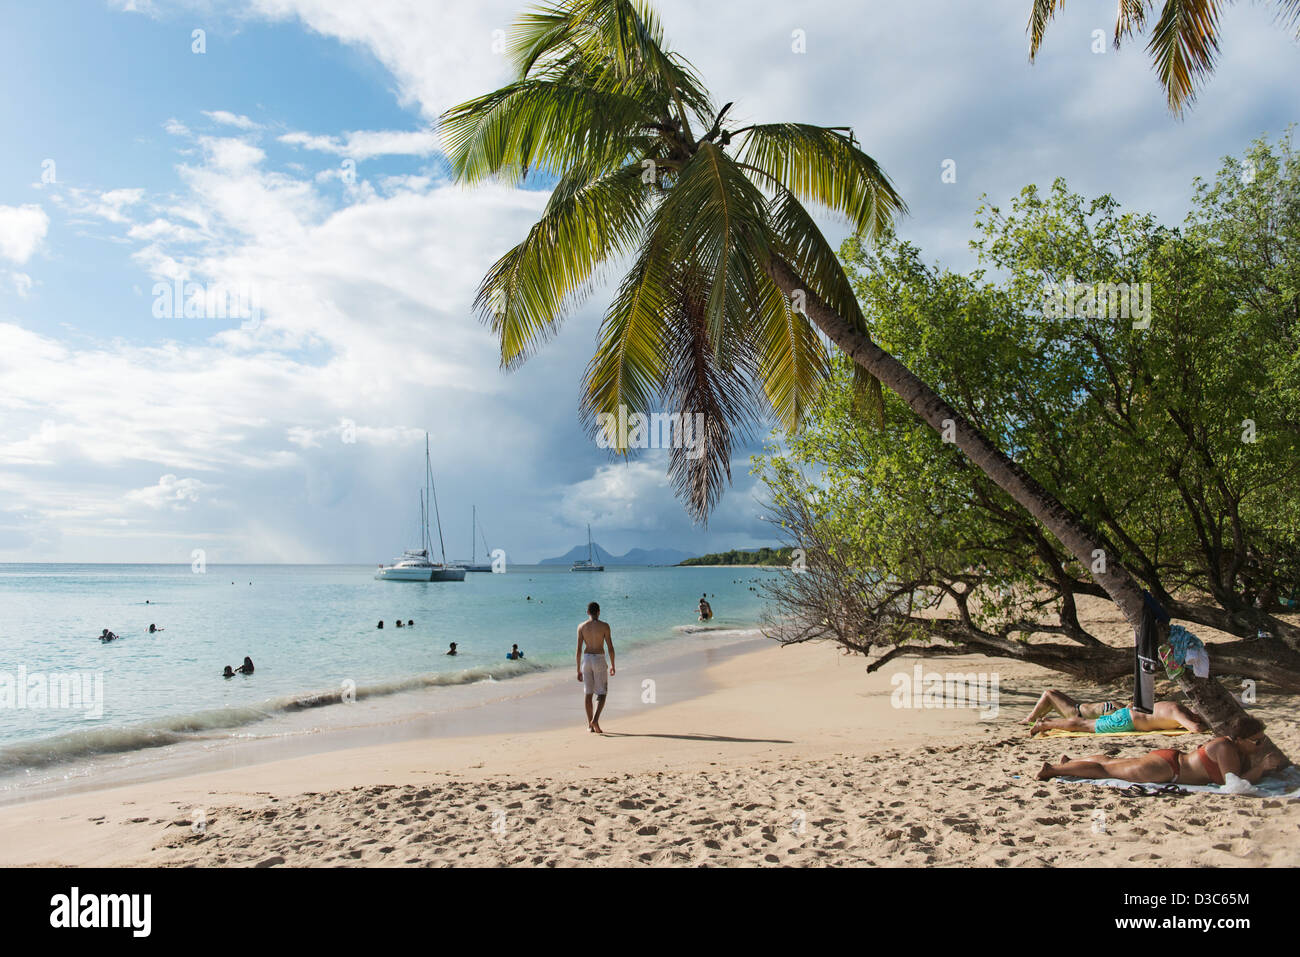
(593, 636)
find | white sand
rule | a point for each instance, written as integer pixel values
(796, 756)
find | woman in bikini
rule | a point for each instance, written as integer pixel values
(1243, 754)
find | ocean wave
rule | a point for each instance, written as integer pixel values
(715, 629)
(204, 724)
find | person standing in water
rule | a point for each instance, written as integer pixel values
(706, 610)
(593, 636)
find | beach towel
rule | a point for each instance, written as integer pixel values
(1285, 785)
(1058, 733)
(1184, 649)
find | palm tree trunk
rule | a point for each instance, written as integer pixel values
(1215, 705)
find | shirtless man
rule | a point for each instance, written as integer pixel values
(593, 636)
(1062, 703)
(1166, 716)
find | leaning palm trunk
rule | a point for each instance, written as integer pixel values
(1218, 707)
(719, 242)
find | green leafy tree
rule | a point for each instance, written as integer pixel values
(1143, 428)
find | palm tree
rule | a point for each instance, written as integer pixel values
(1184, 41)
(728, 277)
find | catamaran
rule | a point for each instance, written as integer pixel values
(414, 564)
(587, 564)
(473, 565)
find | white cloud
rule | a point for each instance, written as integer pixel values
(22, 228)
(440, 53)
(366, 144)
(170, 491)
(366, 307)
(237, 120)
(22, 283)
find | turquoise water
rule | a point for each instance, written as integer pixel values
(311, 632)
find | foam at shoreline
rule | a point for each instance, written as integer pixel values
(79, 757)
(198, 725)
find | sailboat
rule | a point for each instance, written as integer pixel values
(587, 564)
(414, 564)
(473, 565)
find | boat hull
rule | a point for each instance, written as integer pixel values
(420, 575)
(403, 574)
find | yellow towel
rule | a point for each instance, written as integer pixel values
(1058, 733)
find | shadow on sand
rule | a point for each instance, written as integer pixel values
(698, 737)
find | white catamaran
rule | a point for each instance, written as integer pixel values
(587, 564)
(414, 565)
(474, 565)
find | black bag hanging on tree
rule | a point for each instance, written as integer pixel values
(1145, 658)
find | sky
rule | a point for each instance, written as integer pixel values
(287, 151)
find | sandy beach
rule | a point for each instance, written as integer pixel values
(786, 756)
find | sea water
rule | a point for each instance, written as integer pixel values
(311, 632)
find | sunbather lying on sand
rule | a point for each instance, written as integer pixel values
(1242, 754)
(1062, 703)
(1165, 716)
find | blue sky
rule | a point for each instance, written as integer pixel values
(297, 156)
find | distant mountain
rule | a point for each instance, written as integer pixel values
(637, 556)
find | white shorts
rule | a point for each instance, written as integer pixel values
(595, 674)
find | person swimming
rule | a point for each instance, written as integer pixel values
(228, 673)
(107, 635)
(452, 651)
(380, 625)
(399, 623)
(154, 629)
(246, 668)
(515, 653)
(410, 623)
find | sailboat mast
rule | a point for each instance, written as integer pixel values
(473, 527)
(433, 497)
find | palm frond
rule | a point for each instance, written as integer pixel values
(796, 238)
(542, 125)
(1289, 14)
(794, 362)
(621, 42)
(1130, 17)
(1040, 16)
(823, 166)
(530, 289)
(1183, 45)
(631, 356)
(720, 226)
(711, 386)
